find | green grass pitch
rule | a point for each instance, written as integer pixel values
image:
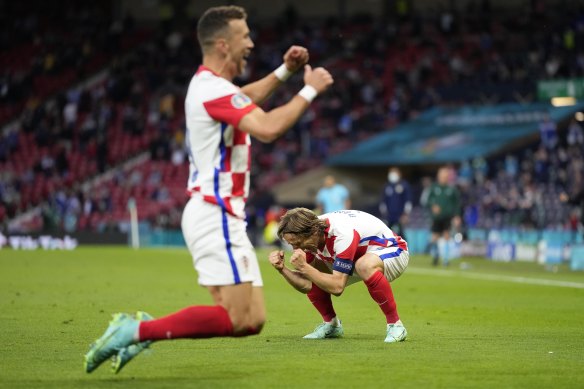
(469, 328)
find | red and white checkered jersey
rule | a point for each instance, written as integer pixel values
(219, 153)
(350, 234)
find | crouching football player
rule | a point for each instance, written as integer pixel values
(337, 249)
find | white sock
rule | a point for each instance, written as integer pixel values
(136, 335)
(335, 322)
(442, 251)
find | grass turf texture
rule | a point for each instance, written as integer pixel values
(462, 332)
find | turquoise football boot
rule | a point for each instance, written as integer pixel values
(126, 354)
(118, 335)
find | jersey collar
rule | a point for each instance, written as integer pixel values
(203, 68)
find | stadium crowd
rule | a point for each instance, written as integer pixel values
(44, 49)
(540, 187)
(387, 71)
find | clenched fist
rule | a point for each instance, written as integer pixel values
(298, 259)
(295, 58)
(319, 78)
(276, 258)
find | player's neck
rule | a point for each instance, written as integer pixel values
(219, 65)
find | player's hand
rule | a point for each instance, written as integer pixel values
(276, 258)
(436, 209)
(295, 58)
(298, 259)
(319, 78)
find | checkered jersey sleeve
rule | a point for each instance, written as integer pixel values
(345, 246)
(230, 108)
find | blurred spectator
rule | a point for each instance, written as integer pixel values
(396, 201)
(575, 134)
(443, 200)
(511, 166)
(332, 196)
(548, 132)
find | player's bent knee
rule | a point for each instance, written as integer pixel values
(256, 322)
(367, 265)
(244, 326)
(364, 266)
(257, 327)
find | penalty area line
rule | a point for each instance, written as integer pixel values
(495, 277)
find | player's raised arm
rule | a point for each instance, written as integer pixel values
(294, 278)
(269, 126)
(295, 58)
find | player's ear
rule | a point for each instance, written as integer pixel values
(222, 46)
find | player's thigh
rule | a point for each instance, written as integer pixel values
(395, 266)
(241, 298)
(390, 261)
(257, 312)
(368, 264)
(221, 250)
(237, 300)
(215, 293)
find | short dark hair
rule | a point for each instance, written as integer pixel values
(214, 21)
(300, 221)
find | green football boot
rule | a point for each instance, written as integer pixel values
(118, 335)
(326, 331)
(126, 354)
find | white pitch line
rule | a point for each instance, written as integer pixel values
(495, 277)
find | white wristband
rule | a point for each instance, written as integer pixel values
(282, 73)
(308, 93)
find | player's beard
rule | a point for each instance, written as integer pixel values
(242, 63)
(239, 67)
(233, 66)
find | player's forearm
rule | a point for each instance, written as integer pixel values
(280, 119)
(297, 281)
(327, 282)
(261, 89)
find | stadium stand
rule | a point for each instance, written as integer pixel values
(449, 59)
(44, 50)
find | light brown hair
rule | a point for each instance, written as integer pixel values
(300, 221)
(215, 21)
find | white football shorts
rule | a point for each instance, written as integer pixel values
(218, 242)
(394, 263)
